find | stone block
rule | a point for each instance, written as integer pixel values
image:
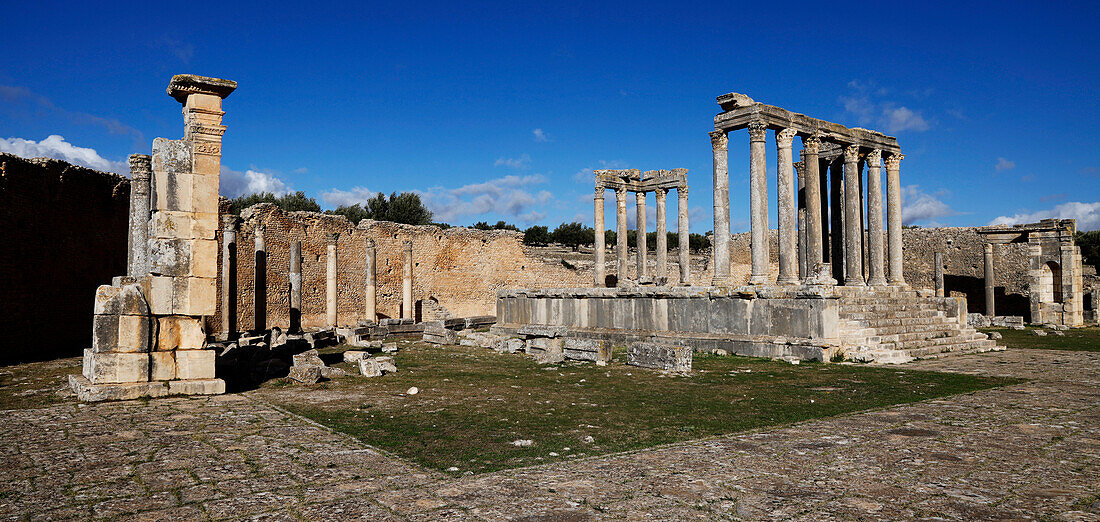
(386, 364)
(660, 356)
(443, 337)
(195, 364)
(586, 349)
(206, 165)
(329, 372)
(204, 258)
(509, 345)
(180, 332)
(108, 368)
(170, 224)
(204, 192)
(120, 300)
(197, 387)
(540, 330)
(308, 358)
(86, 391)
(204, 225)
(368, 367)
(170, 257)
(305, 374)
(202, 296)
(133, 333)
(105, 333)
(162, 365)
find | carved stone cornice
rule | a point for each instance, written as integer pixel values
(183, 85)
(851, 153)
(758, 131)
(785, 138)
(893, 161)
(719, 140)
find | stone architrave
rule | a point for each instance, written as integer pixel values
(141, 171)
(330, 282)
(407, 281)
(371, 292)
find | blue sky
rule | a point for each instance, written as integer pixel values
(500, 110)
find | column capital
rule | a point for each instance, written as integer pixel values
(811, 144)
(785, 138)
(332, 238)
(758, 131)
(620, 192)
(851, 153)
(719, 139)
(682, 191)
(874, 158)
(599, 194)
(660, 193)
(141, 164)
(893, 161)
(407, 245)
(368, 242)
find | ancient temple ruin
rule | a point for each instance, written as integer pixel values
(824, 303)
(149, 334)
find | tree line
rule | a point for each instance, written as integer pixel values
(574, 235)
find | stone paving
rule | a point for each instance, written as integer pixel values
(1029, 451)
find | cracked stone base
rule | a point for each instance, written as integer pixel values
(88, 392)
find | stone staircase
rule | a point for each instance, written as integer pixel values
(889, 325)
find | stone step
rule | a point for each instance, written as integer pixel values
(931, 327)
(890, 326)
(891, 315)
(969, 346)
(939, 341)
(928, 335)
(884, 307)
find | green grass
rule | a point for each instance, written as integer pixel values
(473, 403)
(1076, 339)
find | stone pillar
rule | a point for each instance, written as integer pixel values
(620, 234)
(662, 237)
(643, 252)
(371, 294)
(720, 249)
(853, 229)
(937, 260)
(229, 277)
(330, 283)
(876, 273)
(141, 170)
(600, 247)
(407, 282)
(260, 278)
(893, 207)
(800, 189)
(295, 287)
(758, 203)
(788, 212)
(990, 283)
(811, 146)
(683, 234)
(836, 217)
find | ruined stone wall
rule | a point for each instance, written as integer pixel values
(65, 230)
(461, 268)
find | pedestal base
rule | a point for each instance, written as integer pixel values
(88, 392)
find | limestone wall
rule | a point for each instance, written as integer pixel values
(65, 231)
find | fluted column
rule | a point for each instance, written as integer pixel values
(662, 236)
(720, 249)
(758, 203)
(407, 282)
(295, 287)
(800, 190)
(788, 211)
(260, 286)
(330, 283)
(141, 171)
(876, 273)
(811, 146)
(990, 282)
(643, 252)
(600, 247)
(371, 291)
(683, 235)
(853, 233)
(893, 195)
(620, 235)
(229, 276)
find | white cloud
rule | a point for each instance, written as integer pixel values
(235, 183)
(870, 110)
(1004, 164)
(540, 136)
(56, 147)
(522, 162)
(337, 197)
(509, 197)
(917, 205)
(587, 174)
(903, 119)
(1086, 214)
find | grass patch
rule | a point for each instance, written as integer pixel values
(473, 403)
(1076, 339)
(38, 384)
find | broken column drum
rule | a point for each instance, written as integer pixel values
(141, 171)
(295, 287)
(371, 291)
(407, 282)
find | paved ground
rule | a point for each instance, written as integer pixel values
(1030, 451)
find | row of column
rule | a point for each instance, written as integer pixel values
(642, 260)
(229, 280)
(847, 225)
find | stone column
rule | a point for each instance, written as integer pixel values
(876, 273)
(853, 233)
(620, 234)
(330, 283)
(990, 283)
(662, 237)
(811, 146)
(643, 252)
(937, 260)
(893, 207)
(800, 189)
(141, 171)
(295, 287)
(260, 275)
(788, 212)
(684, 235)
(229, 277)
(407, 282)
(600, 247)
(371, 295)
(758, 203)
(836, 217)
(720, 249)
